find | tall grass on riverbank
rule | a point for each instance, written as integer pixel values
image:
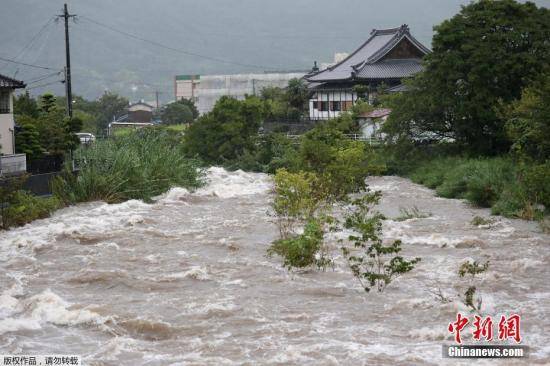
(140, 165)
(510, 189)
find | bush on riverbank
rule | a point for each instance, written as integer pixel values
(18, 207)
(137, 166)
(510, 189)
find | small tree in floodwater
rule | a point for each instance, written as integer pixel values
(471, 270)
(372, 262)
(300, 200)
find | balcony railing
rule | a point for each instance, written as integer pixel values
(13, 164)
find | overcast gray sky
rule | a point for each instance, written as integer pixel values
(276, 34)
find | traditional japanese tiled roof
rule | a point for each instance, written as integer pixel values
(390, 69)
(370, 62)
(7, 82)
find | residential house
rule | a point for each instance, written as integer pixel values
(140, 112)
(387, 57)
(7, 124)
(138, 115)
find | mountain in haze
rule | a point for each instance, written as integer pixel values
(237, 36)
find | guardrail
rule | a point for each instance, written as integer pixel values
(353, 137)
(13, 164)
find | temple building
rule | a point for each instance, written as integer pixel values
(387, 57)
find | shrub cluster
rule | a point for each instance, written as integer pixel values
(18, 207)
(140, 165)
(510, 189)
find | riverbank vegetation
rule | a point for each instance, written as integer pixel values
(476, 123)
(140, 165)
(18, 207)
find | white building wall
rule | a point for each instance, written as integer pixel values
(315, 104)
(210, 88)
(7, 128)
(187, 89)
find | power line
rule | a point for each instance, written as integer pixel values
(155, 43)
(25, 64)
(41, 78)
(32, 40)
(46, 84)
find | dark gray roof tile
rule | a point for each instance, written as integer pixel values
(7, 82)
(390, 69)
(363, 63)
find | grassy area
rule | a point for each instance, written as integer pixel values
(176, 128)
(125, 131)
(139, 165)
(509, 189)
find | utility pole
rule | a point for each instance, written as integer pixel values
(68, 83)
(157, 97)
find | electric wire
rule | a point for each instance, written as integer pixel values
(158, 44)
(26, 64)
(29, 45)
(44, 85)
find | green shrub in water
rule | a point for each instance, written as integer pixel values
(304, 250)
(373, 263)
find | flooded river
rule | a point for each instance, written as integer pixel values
(186, 281)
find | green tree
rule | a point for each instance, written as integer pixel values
(191, 105)
(288, 103)
(176, 113)
(227, 132)
(529, 122)
(297, 95)
(47, 103)
(109, 106)
(25, 105)
(27, 137)
(483, 56)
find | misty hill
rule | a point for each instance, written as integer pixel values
(260, 35)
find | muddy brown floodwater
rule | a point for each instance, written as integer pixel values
(186, 281)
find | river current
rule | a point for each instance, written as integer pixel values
(186, 281)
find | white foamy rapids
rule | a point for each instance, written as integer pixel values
(83, 223)
(45, 307)
(224, 184)
(174, 195)
(195, 272)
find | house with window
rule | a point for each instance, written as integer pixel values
(386, 58)
(7, 124)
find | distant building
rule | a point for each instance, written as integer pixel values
(388, 56)
(186, 86)
(140, 112)
(206, 90)
(7, 124)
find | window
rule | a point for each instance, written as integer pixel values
(335, 106)
(315, 104)
(4, 101)
(324, 106)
